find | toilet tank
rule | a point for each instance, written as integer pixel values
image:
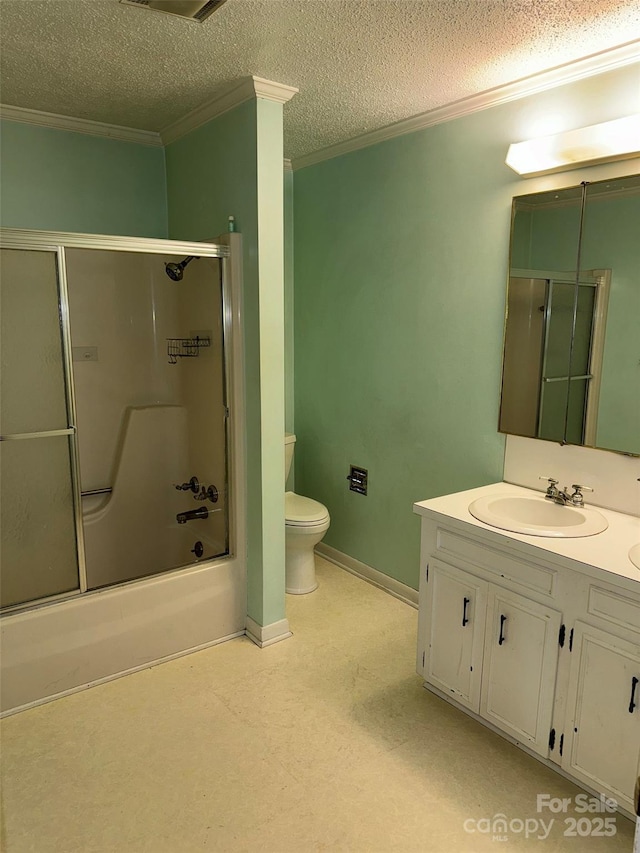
(289, 446)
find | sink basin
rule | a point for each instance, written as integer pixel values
(537, 516)
(634, 555)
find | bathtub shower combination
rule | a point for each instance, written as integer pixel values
(115, 421)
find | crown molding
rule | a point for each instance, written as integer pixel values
(245, 90)
(287, 165)
(273, 91)
(238, 94)
(80, 125)
(249, 87)
(570, 72)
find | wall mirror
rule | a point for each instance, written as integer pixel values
(571, 363)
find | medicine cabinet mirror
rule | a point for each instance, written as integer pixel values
(571, 364)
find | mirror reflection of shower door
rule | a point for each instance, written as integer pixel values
(566, 361)
(39, 555)
(554, 384)
(580, 372)
(522, 364)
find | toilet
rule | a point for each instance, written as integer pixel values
(306, 522)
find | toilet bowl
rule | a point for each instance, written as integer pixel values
(306, 522)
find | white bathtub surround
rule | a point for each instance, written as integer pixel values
(50, 651)
(612, 476)
(67, 645)
(267, 635)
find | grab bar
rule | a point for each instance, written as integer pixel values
(91, 492)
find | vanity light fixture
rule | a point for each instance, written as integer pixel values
(599, 143)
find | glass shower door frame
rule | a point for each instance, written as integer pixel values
(70, 401)
(56, 243)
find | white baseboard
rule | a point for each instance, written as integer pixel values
(373, 576)
(267, 635)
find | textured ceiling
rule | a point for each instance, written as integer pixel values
(359, 64)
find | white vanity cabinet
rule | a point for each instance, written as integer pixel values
(519, 669)
(602, 730)
(535, 642)
(492, 650)
(457, 603)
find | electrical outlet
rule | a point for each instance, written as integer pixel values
(358, 480)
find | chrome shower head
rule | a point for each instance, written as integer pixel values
(176, 271)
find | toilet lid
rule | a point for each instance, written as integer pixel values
(301, 510)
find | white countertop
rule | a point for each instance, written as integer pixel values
(608, 551)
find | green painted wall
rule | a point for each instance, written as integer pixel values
(211, 174)
(233, 165)
(401, 253)
(56, 180)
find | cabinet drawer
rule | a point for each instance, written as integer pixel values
(527, 575)
(615, 607)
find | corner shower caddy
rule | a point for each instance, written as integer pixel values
(185, 347)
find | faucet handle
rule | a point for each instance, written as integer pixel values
(192, 486)
(577, 498)
(211, 494)
(550, 480)
(551, 493)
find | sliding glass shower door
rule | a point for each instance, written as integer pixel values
(113, 412)
(39, 555)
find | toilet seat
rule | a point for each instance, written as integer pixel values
(303, 512)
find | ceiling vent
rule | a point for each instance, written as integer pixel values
(193, 10)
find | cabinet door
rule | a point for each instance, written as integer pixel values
(602, 731)
(457, 605)
(520, 662)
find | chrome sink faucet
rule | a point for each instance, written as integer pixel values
(576, 498)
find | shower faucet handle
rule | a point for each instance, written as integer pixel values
(192, 486)
(211, 494)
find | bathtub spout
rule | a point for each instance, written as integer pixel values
(201, 512)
